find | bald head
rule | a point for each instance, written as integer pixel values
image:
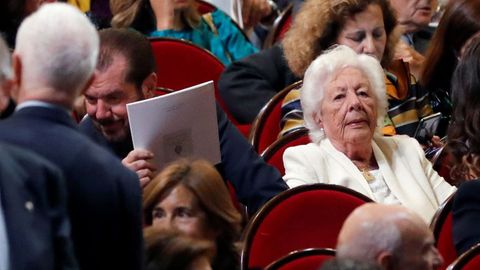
(56, 50)
(391, 235)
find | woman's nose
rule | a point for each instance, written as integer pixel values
(369, 46)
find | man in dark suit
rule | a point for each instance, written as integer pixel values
(53, 62)
(33, 207)
(126, 73)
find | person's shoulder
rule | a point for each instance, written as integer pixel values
(471, 186)
(19, 160)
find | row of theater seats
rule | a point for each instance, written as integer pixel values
(182, 64)
(319, 211)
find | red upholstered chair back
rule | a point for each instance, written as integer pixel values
(308, 216)
(441, 226)
(280, 26)
(273, 155)
(470, 260)
(266, 127)
(204, 6)
(181, 64)
(305, 259)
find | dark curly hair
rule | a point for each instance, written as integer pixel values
(464, 131)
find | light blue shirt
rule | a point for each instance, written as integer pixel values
(4, 255)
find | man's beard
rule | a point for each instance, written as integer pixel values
(117, 137)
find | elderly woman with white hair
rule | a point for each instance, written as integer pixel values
(344, 103)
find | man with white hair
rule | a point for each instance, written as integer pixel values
(390, 235)
(30, 183)
(53, 62)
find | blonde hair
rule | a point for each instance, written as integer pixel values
(126, 11)
(318, 24)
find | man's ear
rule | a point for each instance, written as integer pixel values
(149, 85)
(16, 81)
(385, 259)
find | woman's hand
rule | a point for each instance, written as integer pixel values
(164, 13)
(253, 11)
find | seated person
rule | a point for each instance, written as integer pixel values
(126, 73)
(367, 27)
(180, 19)
(458, 23)
(344, 102)
(464, 146)
(192, 197)
(390, 235)
(170, 249)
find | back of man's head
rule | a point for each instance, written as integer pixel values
(388, 234)
(58, 48)
(133, 46)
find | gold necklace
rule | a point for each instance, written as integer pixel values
(367, 175)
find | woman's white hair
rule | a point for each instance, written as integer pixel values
(58, 47)
(319, 74)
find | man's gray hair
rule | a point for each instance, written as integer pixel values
(5, 63)
(319, 74)
(58, 47)
(372, 237)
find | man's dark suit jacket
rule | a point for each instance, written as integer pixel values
(247, 85)
(255, 182)
(466, 216)
(104, 197)
(34, 205)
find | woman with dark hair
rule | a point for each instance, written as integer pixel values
(464, 131)
(464, 146)
(192, 197)
(458, 23)
(213, 31)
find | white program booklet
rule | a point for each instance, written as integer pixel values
(182, 124)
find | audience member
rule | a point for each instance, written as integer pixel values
(463, 140)
(321, 24)
(53, 62)
(125, 73)
(390, 235)
(213, 31)
(414, 17)
(464, 144)
(171, 250)
(367, 27)
(191, 196)
(458, 23)
(344, 103)
(349, 264)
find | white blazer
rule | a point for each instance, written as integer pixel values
(401, 160)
